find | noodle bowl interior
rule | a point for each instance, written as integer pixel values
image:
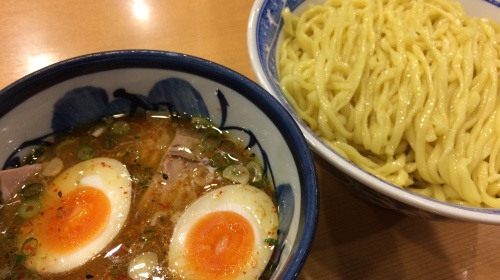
(407, 90)
(110, 197)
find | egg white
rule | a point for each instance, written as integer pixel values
(106, 174)
(248, 201)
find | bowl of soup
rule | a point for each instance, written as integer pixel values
(400, 98)
(143, 164)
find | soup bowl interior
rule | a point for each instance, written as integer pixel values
(264, 36)
(110, 83)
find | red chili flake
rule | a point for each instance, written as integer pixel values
(163, 206)
(125, 192)
(29, 248)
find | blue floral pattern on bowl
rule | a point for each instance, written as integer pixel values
(494, 2)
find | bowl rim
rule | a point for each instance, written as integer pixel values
(48, 76)
(445, 209)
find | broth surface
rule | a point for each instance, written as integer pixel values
(172, 161)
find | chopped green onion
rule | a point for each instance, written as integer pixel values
(19, 259)
(200, 122)
(29, 208)
(221, 160)
(85, 152)
(236, 173)
(142, 177)
(210, 140)
(131, 157)
(255, 172)
(120, 127)
(35, 155)
(29, 246)
(108, 142)
(32, 189)
(271, 241)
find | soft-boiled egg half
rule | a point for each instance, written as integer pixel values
(226, 234)
(82, 210)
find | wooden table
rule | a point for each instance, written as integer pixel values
(354, 240)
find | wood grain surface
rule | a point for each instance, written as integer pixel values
(354, 240)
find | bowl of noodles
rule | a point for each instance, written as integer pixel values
(143, 164)
(400, 97)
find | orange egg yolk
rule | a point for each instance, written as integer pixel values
(74, 220)
(220, 244)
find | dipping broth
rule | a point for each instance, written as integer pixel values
(111, 197)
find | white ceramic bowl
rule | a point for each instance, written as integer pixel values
(93, 86)
(264, 28)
